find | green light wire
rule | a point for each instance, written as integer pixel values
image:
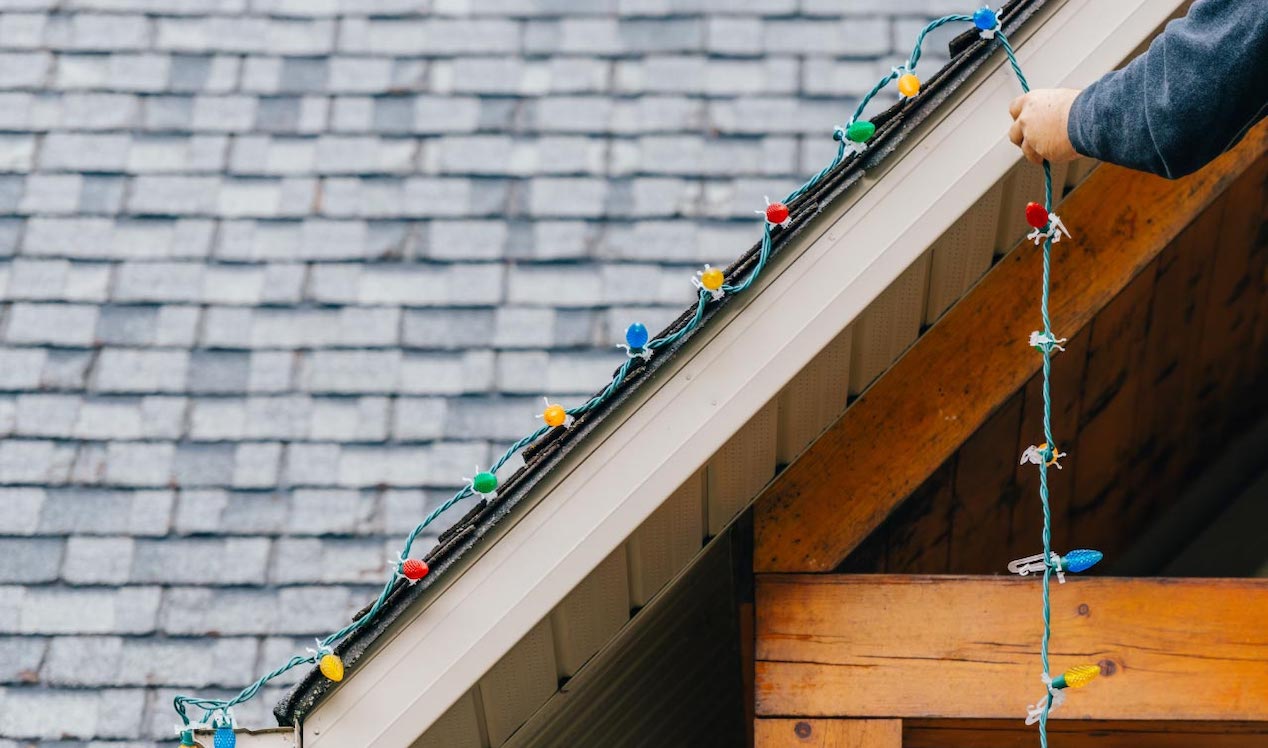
(217, 711)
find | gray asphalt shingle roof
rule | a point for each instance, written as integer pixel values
(277, 273)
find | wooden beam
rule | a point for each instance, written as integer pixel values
(828, 733)
(978, 733)
(968, 647)
(899, 431)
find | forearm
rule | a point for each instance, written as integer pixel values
(1194, 93)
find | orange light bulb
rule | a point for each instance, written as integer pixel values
(908, 85)
(555, 415)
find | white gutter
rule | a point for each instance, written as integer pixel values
(743, 360)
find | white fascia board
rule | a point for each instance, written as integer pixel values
(746, 357)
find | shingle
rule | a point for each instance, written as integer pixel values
(105, 512)
(139, 463)
(328, 561)
(349, 419)
(101, 194)
(99, 111)
(151, 154)
(360, 74)
(65, 369)
(219, 371)
(172, 195)
(30, 560)
(51, 324)
(98, 560)
(233, 284)
(20, 510)
(51, 193)
(46, 414)
(332, 511)
(16, 152)
(169, 112)
(177, 325)
(447, 328)
(261, 74)
(214, 419)
(20, 658)
(311, 464)
(271, 371)
(24, 69)
(127, 325)
(257, 465)
(442, 373)
(44, 713)
(59, 610)
(22, 30)
(198, 465)
(35, 462)
(291, 610)
(226, 561)
(224, 113)
(351, 371)
(562, 372)
(467, 240)
(419, 418)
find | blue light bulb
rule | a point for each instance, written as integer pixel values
(984, 19)
(1080, 560)
(225, 738)
(636, 336)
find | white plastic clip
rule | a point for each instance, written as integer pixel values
(321, 651)
(1034, 712)
(1024, 567)
(1055, 229)
(1034, 455)
(644, 353)
(1046, 341)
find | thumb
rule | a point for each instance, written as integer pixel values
(1014, 109)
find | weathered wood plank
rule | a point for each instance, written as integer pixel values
(921, 539)
(974, 733)
(828, 733)
(967, 647)
(983, 482)
(1175, 329)
(1102, 476)
(910, 421)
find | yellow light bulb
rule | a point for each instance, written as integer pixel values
(712, 279)
(331, 667)
(1080, 675)
(908, 85)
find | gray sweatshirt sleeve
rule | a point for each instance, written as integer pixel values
(1193, 95)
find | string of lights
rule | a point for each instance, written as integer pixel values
(712, 285)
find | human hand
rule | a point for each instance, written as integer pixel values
(1039, 126)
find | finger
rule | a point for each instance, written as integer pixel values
(1014, 109)
(1031, 154)
(1015, 134)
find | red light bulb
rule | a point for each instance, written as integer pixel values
(414, 570)
(1036, 215)
(776, 212)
